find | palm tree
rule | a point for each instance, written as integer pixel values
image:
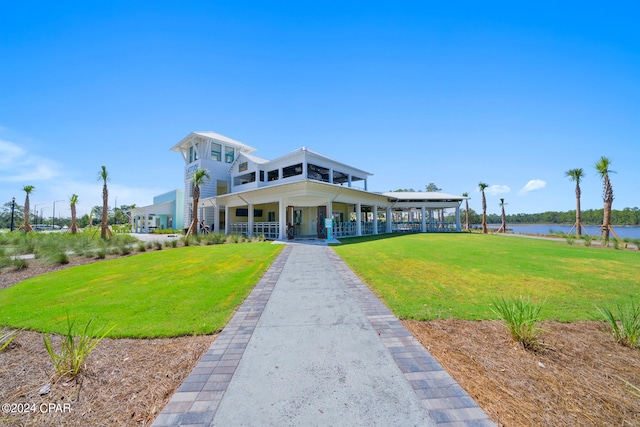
(482, 186)
(503, 227)
(467, 210)
(198, 179)
(104, 225)
(27, 189)
(603, 167)
(72, 202)
(576, 175)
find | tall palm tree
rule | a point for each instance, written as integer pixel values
(603, 167)
(503, 227)
(198, 179)
(576, 175)
(27, 189)
(482, 186)
(72, 202)
(466, 201)
(104, 225)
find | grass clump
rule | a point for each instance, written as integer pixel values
(521, 318)
(74, 350)
(7, 335)
(570, 239)
(625, 328)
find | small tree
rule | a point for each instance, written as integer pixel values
(72, 202)
(482, 186)
(503, 227)
(603, 167)
(198, 179)
(576, 175)
(103, 176)
(28, 189)
(466, 202)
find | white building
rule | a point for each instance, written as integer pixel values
(293, 195)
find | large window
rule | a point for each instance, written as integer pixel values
(228, 154)
(340, 177)
(244, 179)
(216, 151)
(292, 170)
(317, 173)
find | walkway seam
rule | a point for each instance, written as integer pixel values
(446, 401)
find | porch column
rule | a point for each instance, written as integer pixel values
(282, 219)
(330, 176)
(374, 209)
(349, 180)
(389, 220)
(358, 219)
(146, 223)
(250, 221)
(423, 216)
(216, 219)
(227, 220)
(458, 227)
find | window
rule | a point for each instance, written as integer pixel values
(244, 179)
(193, 154)
(340, 177)
(271, 216)
(242, 167)
(261, 176)
(216, 151)
(292, 170)
(317, 173)
(228, 154)
(273, 175)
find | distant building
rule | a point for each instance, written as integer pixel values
(295, 195)
(165, 212)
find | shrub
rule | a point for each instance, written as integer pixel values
(58, 258)
(570, 239)
(521, 318)
(19, 263)
(626, 329)
(158, 244)
(587, 239)
(101, 253)
(74, 349)
(142, 247)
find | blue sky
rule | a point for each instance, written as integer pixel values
(454, 93)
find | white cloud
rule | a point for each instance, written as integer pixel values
(20, 166)
(494, 190)
(532, 185)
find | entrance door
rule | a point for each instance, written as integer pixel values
(322, 214)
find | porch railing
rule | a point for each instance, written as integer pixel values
(270, 230)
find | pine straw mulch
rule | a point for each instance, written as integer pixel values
(575, 380)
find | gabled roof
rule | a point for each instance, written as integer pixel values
(217, 137)
(254, 159)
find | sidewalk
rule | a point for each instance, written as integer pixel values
(312, 345)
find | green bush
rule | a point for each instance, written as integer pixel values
(521, 318)
(587, 239)
(166, 231)
(570, 239)
(142, 247)
(19, 264)
(626, 327)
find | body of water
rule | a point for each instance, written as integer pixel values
(631, 232)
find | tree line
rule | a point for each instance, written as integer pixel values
(626, 216)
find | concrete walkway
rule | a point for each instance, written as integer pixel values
(312, 345)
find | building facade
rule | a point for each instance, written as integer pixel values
(298, 195)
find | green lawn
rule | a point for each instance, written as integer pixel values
(183, 291)
(427, 276)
